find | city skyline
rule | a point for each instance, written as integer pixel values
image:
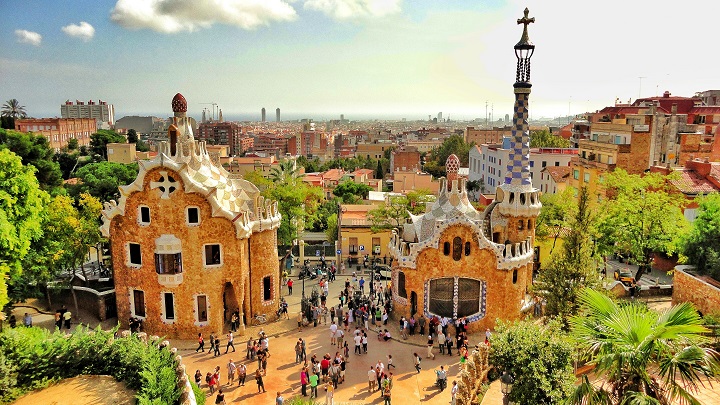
(318, 59)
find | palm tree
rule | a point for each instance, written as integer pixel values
(285, 173)
(641, 356)
(13, 109)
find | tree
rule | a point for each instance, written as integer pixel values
(102, 179)
(132, 137)
(351, 192)
(72, 144)
(100, 139)
(7, 122)
(379, 174)
(644, 356)
(397, 210)
(555, 215)
(332, 228)
(539, 357)
(544, 139)
(21, 206)
(568, 273)
(13, 109)
(35, 151)
(701, 245)
(643, 215)
(455, 144)
(285, 172)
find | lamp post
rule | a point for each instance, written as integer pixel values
(506, 386)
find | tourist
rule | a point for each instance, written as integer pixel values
(387, 335)
(217, 346)
(342, 370)
(67, 316)
(454, 392)
(262, 360)
(488, 335)
(364, 342)
(212, 343)
(220, 399)
(386, 395)
(325, 367)
(339, 336)
(372, 378)
(329, 393)
(448, 345)
(411, 325)
(234, 321)
(216, 375)
(441, 342)
(362, 285)
(300, 320)
(27, 320)
(441, 378)
(230, 343)
(421, 324)
(201, 343)
(298, 352)
(416, 360)
(304, 352)
(430, 344)
(289, 285)
(304, 381)
(279, 400)
(313, 385)
(242, 373)
(346, 351)
(358, 343)
(198, 377)
(231, 372)
(390, 362)
(335, 374)
(384, 317)
(259, 380)
(208, 379)
(212, 383)
(333, 331)
(249, 347)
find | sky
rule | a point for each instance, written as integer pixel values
(385, 59)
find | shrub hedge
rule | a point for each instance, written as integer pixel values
(32, 358)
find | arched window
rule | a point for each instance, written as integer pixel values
(446, 248)
(529, 226)
(467, 248)
(457, 248)
(456, 297)
(514, 276)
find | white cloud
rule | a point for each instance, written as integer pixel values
(28, 37)
(347, 9)
(83, 31)
(171, 16)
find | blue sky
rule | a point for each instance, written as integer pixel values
(321, 58)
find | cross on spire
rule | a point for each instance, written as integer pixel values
(525, 40)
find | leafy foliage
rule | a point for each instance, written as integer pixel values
(21, 206)
(642, 216)
(34, 150)
(397, 209)
(13, 109)
(31, 358)
(332, 228)
(646, 357)
(544, 139)
(102, 179)
(555, 215)
(454, 144)
(539, 357)
(351, 192)
(701, 246)
(132, 137)
(100, 139)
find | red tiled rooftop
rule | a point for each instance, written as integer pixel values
(558, 173)
(690, 182)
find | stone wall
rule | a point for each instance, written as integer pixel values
(264, 263)
(503, 298)
(689, 288)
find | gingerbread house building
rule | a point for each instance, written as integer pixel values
(189, 243)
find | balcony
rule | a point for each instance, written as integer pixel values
(170, 280)
(590, 163)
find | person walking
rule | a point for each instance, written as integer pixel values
(201, 343)
(386, 395)
(230, 344)
(290, 284)
(304, 379)
(220, 398)
(416, 360)
(198, 377)
(67, 316)
(364, 341)
(242, 374)
(212, 343)
(430, 344)
(372, 378)
(441, 342)
(453, 393)
(58, 320)
(213, 383)
(217, 346)
(259, 380)
(231, 372)
(449, 345)
(333, 333)
(390, 362)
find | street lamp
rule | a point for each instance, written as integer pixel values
(506, 386)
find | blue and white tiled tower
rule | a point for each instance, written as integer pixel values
(517, 197)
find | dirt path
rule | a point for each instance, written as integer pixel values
(82, 390)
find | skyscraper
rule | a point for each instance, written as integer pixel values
(277, 114)
(440, 116)
(262, 112)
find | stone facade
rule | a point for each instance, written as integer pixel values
(190, 244)
(701, 293)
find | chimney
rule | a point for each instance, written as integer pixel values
(666, 94)
(673, 109)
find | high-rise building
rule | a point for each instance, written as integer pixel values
(439, 116)
(277, 114)
(103, 112)
(262, 113)
(222, 133)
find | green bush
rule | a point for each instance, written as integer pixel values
(199, 393)
(32, 358)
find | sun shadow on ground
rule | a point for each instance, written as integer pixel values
(82, 390)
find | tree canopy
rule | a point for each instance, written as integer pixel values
(544, 139)
(398, 208)
(34, 150)
(13, 109)
(539, 357)
(102, 179)
(351, 192)
(701, 245)
(21, 206)
(132, 137)
(100, 139)
(454, 144)
(641, 216)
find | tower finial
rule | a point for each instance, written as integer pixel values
(524, 50)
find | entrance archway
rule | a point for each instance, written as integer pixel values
(413, 303)
(230, 303)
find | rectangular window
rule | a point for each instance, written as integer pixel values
(168, 263)
(544, 163)
(267, 289)
(532, 163)
(557, 163)
(353, 246)
(212, 255)
(138, 303)
(193, 215)
(376, 245)
(135, 255)
(144, 215)
(576, 174)
(587, 177)
(169, 303)
(202, 308)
